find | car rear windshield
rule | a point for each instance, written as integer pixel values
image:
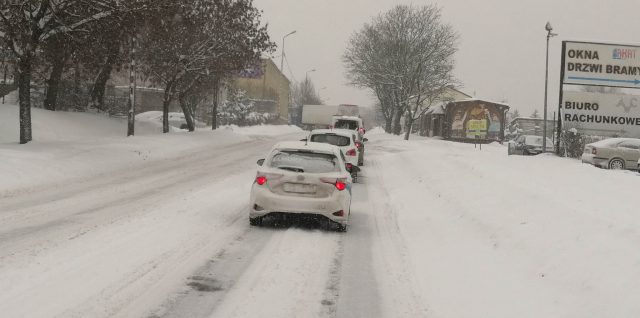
(346, 124)
(336, 140)
(304, 161)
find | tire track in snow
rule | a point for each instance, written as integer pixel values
(113, 232)
(396, 271)
(266, 272)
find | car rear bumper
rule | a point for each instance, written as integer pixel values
(596, 161)
(264, 202)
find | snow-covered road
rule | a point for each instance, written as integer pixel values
(438, 229)
(170, 238)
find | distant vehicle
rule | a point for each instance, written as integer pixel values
(346, 140)
(527, 145)
(303, 179)
(320, 116)
(613, 153)
(348, 122)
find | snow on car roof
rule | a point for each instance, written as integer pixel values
(342, 132)
(348, 117)
(611, 142)
(310, 146)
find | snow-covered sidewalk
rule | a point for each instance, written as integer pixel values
(483, 234)
(69, 146)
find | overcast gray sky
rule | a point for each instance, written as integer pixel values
(502, 42)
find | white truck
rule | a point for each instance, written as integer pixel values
(321, 116)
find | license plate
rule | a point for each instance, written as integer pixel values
(299, 188)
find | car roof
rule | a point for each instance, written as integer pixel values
(308, 146)
(612, 141)
(342, 132)
(348, 117)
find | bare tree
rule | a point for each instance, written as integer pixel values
(304, 93)
(406, 57)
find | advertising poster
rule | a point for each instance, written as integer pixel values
(476, 121)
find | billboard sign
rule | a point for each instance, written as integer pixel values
(601, 114)
(600, 64)
(476, 120)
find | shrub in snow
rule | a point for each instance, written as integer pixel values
(240, 110)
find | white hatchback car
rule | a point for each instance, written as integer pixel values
(302, 179)
(347, 140)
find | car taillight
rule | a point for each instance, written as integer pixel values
(351, 152)
(340, 184)
(261, 180)
(594, 151)
(358, 144)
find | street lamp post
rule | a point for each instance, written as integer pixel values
(306, 75)
(282, 55)
(549, 28)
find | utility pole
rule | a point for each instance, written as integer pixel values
(132, 89)
(549, 28)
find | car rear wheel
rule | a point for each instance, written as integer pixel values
(616, 164)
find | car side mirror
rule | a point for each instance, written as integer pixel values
(260, 162)
(365, 139)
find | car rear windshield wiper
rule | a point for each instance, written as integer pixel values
(294, 169)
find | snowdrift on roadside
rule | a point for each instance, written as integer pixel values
(508, 236)
(176, 120)
(75, 145)
(264, 130)
(60, 126)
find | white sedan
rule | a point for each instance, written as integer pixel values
(305, 180)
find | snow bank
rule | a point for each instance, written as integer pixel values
(60, 126)
(507, 236)
(176, 120)
(73, 145)
(264, 130)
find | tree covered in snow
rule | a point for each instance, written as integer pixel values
(405, 56)
(187, 47)
(194, 46)
(239, 109)
(236, 108)
(26, 24)
(48, 33)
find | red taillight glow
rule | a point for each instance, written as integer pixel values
(351, 152)
(594, 151)
(358, 144)
(349, 166)
(261, 180)
(339, 213)
(340, 184)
